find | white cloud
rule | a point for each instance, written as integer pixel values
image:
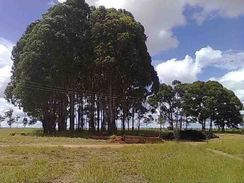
(189, 68)
(223, 8)
(61, 1)
(5, 63)
(185, 70)
(5, 52)
(5, 73)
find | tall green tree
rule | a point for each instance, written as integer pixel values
(77, 57)
(51, 53)
(121, 59)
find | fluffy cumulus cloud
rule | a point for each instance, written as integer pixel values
(160, 17)
(5, 63)
(223, 8)
(189, 68)
(5, 73)
(185, 70)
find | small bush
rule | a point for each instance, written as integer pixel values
(167, 135)
(193, 135)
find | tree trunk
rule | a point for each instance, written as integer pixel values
(123, 122)
(110, 108)
(82, 113)
(104, 118)
(72, 112)
(62, 125)
(128, 123)
(203, 125)
(133, 119)
(98, 115)
(49, 124)
(92, 119)
(139, 124)
(211, 125)
(181, 122)
(79, 119)
(223, 128)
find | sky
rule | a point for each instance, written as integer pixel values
(188, 40)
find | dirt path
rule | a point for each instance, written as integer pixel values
(95, 146)
(225, 154)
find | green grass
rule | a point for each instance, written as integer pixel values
(33, 136)
(229, 143)
(169, 162)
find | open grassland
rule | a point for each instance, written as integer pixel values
(229, 143)
(29, 158)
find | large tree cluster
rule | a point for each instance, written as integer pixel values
(199, 102)
(85, 65)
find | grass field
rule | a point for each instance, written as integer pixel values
(29, 158)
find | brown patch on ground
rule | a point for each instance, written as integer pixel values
(95, 146)
(128, 139)
(194, 143)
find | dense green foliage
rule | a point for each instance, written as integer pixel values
(198, 102)
(86, 64)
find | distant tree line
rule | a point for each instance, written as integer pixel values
(197, 102)
(12, 118)
(84, 67)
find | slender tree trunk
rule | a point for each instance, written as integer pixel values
(139, 124)
(128, 123)
(211, 125)
(203, 125)
(61, 121)
(171, 123)
(98, 115)
(110, 108)
(82, 113)
(79, 119)
(123, 122)
(133, 119)
(92, 111)
(181, 122)
(104, 118)
(114, 117)
(72, 112)
(223, 128)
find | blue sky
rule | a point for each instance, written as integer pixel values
(188, 39)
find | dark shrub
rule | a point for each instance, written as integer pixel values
(193, 135)
(167, 135)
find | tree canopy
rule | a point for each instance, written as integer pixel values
(199, 101)
(84, 67)
(81, 63)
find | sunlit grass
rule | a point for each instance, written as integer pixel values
(34, 136)
(170, 162)
(183, 163)
(229, 143)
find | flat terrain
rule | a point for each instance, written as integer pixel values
(28, 157)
